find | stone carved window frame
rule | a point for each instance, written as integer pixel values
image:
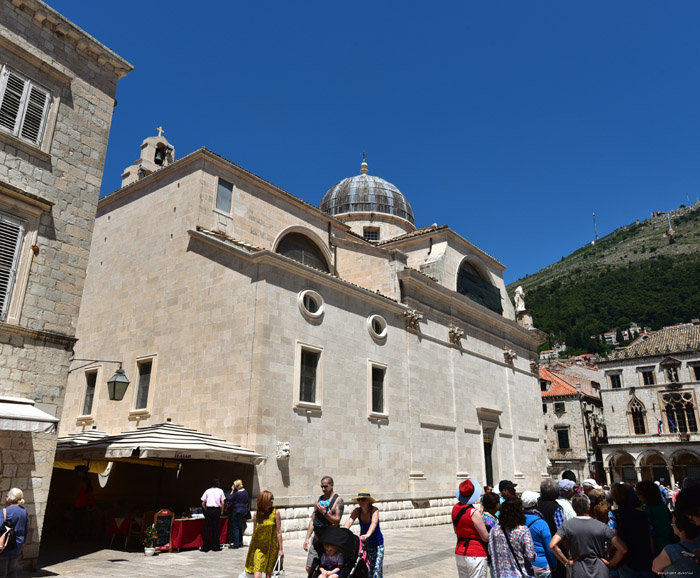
(142, 412)
(636, 406)
(647, 369)
(689, 394)
(384, 414)
(28, 212)
(318, 397)
(609, 377)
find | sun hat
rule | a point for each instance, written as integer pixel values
(529, 499)
(468, 492)
(364, 494)
(591, 483)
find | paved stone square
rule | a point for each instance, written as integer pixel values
(415, 552)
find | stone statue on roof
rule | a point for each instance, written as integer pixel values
(519, 299)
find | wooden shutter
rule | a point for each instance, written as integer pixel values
(23, 106)
(12, 88)
(11, 235)
(35, 113)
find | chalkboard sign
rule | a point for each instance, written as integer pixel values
(163, 523)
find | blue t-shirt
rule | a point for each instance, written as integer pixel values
(19, 520)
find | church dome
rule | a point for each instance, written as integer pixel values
(366, 194)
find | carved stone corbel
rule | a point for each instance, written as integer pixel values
(413, 318)
(456, 335)
(509, 355)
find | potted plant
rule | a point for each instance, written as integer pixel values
(149, 540)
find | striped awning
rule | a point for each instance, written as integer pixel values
(164, 441)
(19, 414)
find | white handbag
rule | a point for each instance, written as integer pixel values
(278, 571)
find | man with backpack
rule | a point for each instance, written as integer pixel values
(327, 513)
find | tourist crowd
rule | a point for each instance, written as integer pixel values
(628, 530)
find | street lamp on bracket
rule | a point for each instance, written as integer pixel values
(117, 384)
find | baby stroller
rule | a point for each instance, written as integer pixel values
(349, 544)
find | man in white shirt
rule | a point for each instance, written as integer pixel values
(566, 490)
(213, 505)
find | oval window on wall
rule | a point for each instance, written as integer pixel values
(376, 324)
(310, 304)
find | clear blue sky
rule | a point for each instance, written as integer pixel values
(511, 122)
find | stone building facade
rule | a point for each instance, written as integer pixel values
(57, 88)
(574, 423)
(340, 342)
(650, 393)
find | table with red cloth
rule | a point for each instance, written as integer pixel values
(187, 533)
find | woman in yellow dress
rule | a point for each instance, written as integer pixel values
(266, 543)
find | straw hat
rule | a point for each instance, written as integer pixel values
(364, 494)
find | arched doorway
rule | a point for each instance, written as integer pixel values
(654, 468)
(623, 470)
(568, 475)
(685, 463)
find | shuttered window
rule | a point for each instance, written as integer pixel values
(11, 235)
(23, 106)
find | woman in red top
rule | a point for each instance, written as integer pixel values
(472, 535)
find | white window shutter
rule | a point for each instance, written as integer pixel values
(12, 90)
(33, 123)
(11, 235)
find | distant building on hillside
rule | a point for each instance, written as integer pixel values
(650, 393)
(548, 354)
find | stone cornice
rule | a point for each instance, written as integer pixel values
(265, 256)
(29, 198)
(45, 336)
(475, 313)
(69, 32)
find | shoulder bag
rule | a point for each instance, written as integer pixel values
(529, 571)
(8, 538)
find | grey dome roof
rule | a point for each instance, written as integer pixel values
(366, 194)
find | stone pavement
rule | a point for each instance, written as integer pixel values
(426, 552)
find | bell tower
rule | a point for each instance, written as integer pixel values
(156, 153)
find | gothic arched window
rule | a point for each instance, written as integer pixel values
(680, 412)
(300, 248)
(471, 284)
(638, 414)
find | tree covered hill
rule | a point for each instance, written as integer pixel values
(639, 273)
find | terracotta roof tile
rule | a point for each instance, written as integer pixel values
(558, 387)
(669, 340)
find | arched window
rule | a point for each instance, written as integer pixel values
(472, 285)
(638, 414)
(680, 412)
(300, 248)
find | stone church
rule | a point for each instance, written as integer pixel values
(334, 340)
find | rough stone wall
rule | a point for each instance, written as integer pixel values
(66, 171)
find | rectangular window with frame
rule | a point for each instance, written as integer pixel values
(648, 376)
(559, 407)
(695, 372)
(24, 106)
(563, 439)
(615, 380)
(224, 196)
(11, 237)
(144, 384)
(378, 389)
(371, 233)
(308, 376)
(90, 386)
(544, 408)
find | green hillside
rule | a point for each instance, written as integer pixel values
(639, 274)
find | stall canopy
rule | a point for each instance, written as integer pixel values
(19, 414)
(154, 444)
